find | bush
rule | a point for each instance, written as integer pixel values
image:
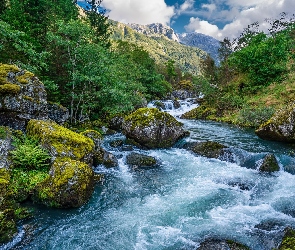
(29, 155)
(253, 117)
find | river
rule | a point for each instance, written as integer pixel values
(180, 203)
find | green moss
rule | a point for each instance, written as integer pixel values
(28, 98)
(236, 246)
(4, 132)
(201, 112)
(288, 242)
(93, 134)
(68, 185)
(10, 89)
(147, 116)
(25, 77)
(60, 141)
(4, 182)
(6, 68)
(23, 183)
(209, 149)
(7, 225)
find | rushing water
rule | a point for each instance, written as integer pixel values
(180, 203)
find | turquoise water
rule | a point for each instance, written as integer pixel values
(180, 203)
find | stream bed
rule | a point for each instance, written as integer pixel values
(182, 202)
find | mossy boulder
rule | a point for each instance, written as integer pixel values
(7, 225)
(101, 156)
(201, 112)
(61, 142)
(152, 128)
(94, 135)
(22, 97)
(280, 127)
(70, 184)
(208, 149)
(288, 242)
(216, 244)
(141, 161)
(269, 164)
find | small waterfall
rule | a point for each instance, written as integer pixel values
(175, 107)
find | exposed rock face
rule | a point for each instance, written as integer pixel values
(62, 142)
(70, 184)
(207, 149)
(269, 164)
(141, 161)
(5, 146)
(23, 97)
(152, 128)
(280, 127)
(57, 113)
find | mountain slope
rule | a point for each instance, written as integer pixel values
(156, 39)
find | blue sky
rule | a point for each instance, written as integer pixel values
(217, 18)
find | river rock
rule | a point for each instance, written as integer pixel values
(101, 156)
(141, 161)
(280, 127)
(208, 149)
(62, 142)
(57, 113)
(269, 164)
(288, 241)
(70, 184)
(201, 112)
(152, 128)
(216, 244)
(22, 97)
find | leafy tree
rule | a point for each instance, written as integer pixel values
(2, 6)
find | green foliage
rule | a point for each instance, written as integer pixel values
(254, 117)
(29, 155)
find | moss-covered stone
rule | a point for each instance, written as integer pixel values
(9, 89)
(7, 225)
(269, 164)
(152, 128)
(60, 141)
(288, 242)
(280, 127)
(141, 161)
(208, 149)
(201, 112)
(93, 135)
(101, 156)
(214, 244)
(70, 184)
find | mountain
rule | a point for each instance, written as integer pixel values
(204, 42)
(162, 44)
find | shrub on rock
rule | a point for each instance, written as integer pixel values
(152, 128)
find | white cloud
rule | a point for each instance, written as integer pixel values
(188, 4)
(141, 12)
(209, 7)
(239, 16)
(204, 27)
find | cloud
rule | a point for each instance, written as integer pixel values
(141, 12)
(204, 27)
(239, 15)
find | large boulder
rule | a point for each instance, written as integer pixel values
(269, 164)
(5, 146)
(22, 97)
(216, 244)
(152, 128)
(208, 149)
(57, 113)
(70, 184)
(62, 142)
(280, 127)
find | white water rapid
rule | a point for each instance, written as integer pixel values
(184, 201)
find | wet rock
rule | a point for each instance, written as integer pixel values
(57, 113)
(95, 136)
(184, 94)
(141, 161)
(70, 184)
(269, 164)
(215, 244)
(159, 105)
(22, 97)
(152, 128)
(101, 156)
(269, 225)
(208, 149)
(116, 122)
(280, 127)
(116, 143)
(176, 104)
(288, 241)
(201, 112)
